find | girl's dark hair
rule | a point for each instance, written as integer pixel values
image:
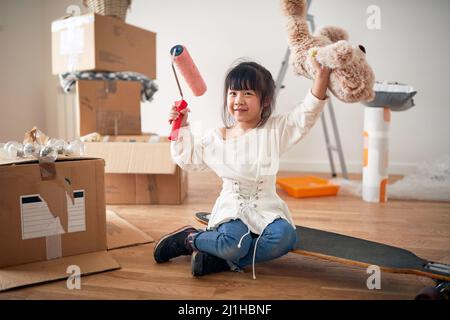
(249, 75)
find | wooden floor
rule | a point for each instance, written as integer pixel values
(422, 227)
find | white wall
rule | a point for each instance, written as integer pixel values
(29, 93)
(21, 85)
(411, 47)
(58, 105)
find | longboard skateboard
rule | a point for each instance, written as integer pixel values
(354, 251)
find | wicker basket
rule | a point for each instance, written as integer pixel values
(117, 8)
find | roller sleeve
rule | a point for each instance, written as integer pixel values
(186, 66)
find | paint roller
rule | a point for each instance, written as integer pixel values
(186, 66)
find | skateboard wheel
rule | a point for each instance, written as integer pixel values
(444, 289)
(429, 293)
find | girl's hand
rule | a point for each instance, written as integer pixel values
(174, 114)
(321, 80)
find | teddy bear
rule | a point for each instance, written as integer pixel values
(351, 78)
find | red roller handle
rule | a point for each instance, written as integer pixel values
(176, 124)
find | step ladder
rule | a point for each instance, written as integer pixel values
(337, 147)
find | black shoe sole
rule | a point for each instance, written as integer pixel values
(194, 270)
(197, 268)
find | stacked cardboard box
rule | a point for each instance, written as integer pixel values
(137, 172)
(101, 43)
(96, 42)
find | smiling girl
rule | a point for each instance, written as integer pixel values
(249, 222)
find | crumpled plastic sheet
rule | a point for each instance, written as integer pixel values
(430, 182)
(348, 187)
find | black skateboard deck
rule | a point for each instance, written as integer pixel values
(354, 251)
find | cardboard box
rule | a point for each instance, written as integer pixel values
(102, 43)
(140, 172)
(108, 107)
(51, 210)
(51, 216)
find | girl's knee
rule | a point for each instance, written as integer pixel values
(283, 235)
(232, 247)
(232, 253)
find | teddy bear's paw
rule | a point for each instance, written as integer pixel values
(294, 7)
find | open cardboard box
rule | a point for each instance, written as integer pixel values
(121, 233)
(140, 170)
(52, 216)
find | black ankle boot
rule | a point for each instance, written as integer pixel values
(203, 263)
(174, 245)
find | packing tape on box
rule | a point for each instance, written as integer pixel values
(48, 173)
(71, 45)
(110, 86)
(53, 237)
(53, 247)
(72, 22)
(71, 42)
(72, 62)
(376, 151)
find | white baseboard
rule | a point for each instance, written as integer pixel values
(352, 166)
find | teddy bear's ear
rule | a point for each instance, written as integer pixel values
(333, 33)
(335, 55)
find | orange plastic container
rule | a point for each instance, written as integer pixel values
(309, 186)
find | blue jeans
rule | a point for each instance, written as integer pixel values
(277, 239)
